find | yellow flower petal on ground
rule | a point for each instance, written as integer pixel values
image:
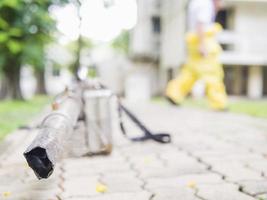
(101, 188)
(147, 160)
(191, 184)
(6, 194)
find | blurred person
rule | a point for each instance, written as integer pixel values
(203, 56)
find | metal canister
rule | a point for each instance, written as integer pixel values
(98, 107)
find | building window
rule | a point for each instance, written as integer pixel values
(156, 24)
(225, 18)
(236, 80)
(56, 72)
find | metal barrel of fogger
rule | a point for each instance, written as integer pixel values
(55, 130)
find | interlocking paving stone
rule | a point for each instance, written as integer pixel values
(95, 168)
(119, 196)
(30, 195)
(221, 192)
(122, 182)
(183, 163)
(150, 148)
(80, 186)
(123, 186)
(174, 194)
(245, 158)
(210, 158)
(259, 165)
(236, 172)
(254, 187)
(185, 180)
(165, 172)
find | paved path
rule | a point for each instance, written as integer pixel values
(214, 156)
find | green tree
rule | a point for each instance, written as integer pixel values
(76, 65)
(77, 48)
(25, 29)
(121, 43)
(80, 44)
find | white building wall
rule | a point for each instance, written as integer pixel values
(145, 43)
(173, 14)
(247, 34)
(250, 30)
(251, 26)
(141, 82)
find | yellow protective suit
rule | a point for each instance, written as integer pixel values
(207, 68)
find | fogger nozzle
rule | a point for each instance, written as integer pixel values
(38, 160)
(49, 144)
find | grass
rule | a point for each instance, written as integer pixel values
(256, 108)
(14, 114)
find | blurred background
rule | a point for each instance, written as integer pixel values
(134, 46)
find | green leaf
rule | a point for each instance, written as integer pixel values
(16, 32)
(11, 3)
(3, 37)
(3, 24)
(14, 46)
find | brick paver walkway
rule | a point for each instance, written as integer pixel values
(213, 156)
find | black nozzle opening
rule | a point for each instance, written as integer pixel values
(38, 160)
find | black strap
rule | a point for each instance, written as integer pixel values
(148, 135)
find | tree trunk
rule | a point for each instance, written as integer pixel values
(79, 44)
(40, 77)
(3, 88)
(12, 74)
(77, 61)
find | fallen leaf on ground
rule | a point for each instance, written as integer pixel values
(101, 188)
(6, 194)
(191, 184)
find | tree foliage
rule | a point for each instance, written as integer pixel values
(25, 28)
(121, 43)
(77, 48)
